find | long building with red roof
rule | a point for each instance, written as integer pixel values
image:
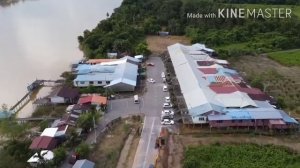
(217, 95)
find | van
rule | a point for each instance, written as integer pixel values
(136, 99)
(165, 88)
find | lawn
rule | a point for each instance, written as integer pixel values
(288, 58)
(242, 155)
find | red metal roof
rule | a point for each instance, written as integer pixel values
(43, 142)
(93, 99)
(220, 89)
(84, 100)
(208, 70)
(205, 63)
(62, 128)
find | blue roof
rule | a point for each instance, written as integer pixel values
(211, 79)
(4, 114)
(250, 113)
(287, 118)
(84, 164)
(226, 71)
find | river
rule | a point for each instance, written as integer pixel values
(38, 40)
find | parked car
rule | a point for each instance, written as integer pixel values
(167, 112)
(166, 116)
(150, 64)
(167, 105)
(167, 99)
(151, 80)
(165, 88)
(167, 122)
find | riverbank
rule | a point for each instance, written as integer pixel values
(47, 49)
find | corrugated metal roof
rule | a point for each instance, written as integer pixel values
(84, 164)
(115, 71)
(205, 92)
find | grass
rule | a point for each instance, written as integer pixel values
(107, 152)
(50, 111)
(240, 155)
(288, 58)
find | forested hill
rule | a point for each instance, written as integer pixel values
(8, 2)
(124, 31)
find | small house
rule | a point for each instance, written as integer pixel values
(93, 100)
(43, 142)
(64, 95)
(35, 160)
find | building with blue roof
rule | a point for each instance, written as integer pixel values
(118, 75)
(218, 96)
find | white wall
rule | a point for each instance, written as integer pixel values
(197, 121)
(87, 83)
(57, 99)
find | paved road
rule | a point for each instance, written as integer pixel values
(153, 101)
(150, 105)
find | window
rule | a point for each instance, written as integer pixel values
(99, 82)
(240, 121)
(91, 82)
(219, 121)
(201, 119)
(107, 82)
(82, 82)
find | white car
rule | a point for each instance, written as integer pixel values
(167, 122)
(167, 105)
(165, 88)
(151, 80)
(167, 99)
(167, 112)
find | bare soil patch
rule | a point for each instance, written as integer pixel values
(159, 44)
(107, 152)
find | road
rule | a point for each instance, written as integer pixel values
(153, 100)
(150, 105)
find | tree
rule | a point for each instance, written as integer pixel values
(12, 129)
(257, 83)
(4, 107)
(121, 45)
(86, 121)
(44, 124)
(281, 103)
(151, 26)
(83, 150)
(59, 156)
(142, 48)
(73, 139)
